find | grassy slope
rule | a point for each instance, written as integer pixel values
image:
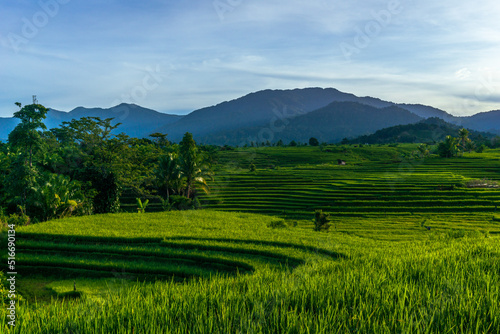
(374, 272)
(292, 182)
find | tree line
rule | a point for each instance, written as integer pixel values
(80, 168)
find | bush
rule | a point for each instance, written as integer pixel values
(252, 168)
(18, 220)
(321, 221)
(280, 223)
(184, 203)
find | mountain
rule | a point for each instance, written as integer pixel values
(426, 111)
(136, 121)
(328, 124)
(430, 130)
(6, 126)
(265, 113)
(485, 121)
(254, 109)
(260, 108)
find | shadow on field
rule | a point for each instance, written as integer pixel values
(334, 255)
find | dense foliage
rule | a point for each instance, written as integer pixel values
(81, 168)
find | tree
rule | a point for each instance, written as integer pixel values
(192, 165)
(313, 141)
(448, 148)
(160, 139)
(168, 174)
(423, 150)
(25, 135)
(463, 136)
(470, 146)
(293, 143)
(25, 139)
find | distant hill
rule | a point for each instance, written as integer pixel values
(6, 126)
(255, 109)
(260, 108)
(264, 113)
(328, 124)
(426, 111)
(430, 131)
(485, 121)
(136, 121)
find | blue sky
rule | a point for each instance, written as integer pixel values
(177, 56)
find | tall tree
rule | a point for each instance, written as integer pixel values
(463, 136)
(169, 174)
(25, 139)
(192, 165)
(26, 135)
(188, 160)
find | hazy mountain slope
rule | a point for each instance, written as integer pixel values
(426, 111)
(485, 121)
(136, 121)
(328, 124)
(6, 126)
(430, 130)
(258, 109)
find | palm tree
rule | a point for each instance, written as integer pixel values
(463, 135)
(169, 174)
(193, 165)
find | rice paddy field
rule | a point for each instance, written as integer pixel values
(411, 249)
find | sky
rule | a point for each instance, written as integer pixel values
(178, 56)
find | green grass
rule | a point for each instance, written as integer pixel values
(410, 250)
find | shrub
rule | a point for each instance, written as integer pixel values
(321, 221)
(181, 202)
(280, 223)
(252, 168)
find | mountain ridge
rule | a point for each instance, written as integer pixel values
(257, 110)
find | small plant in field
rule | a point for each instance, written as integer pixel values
(252, 168)
(280, 223)
(141, 206)
(321, 221)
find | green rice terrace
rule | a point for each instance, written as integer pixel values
(413, 247)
